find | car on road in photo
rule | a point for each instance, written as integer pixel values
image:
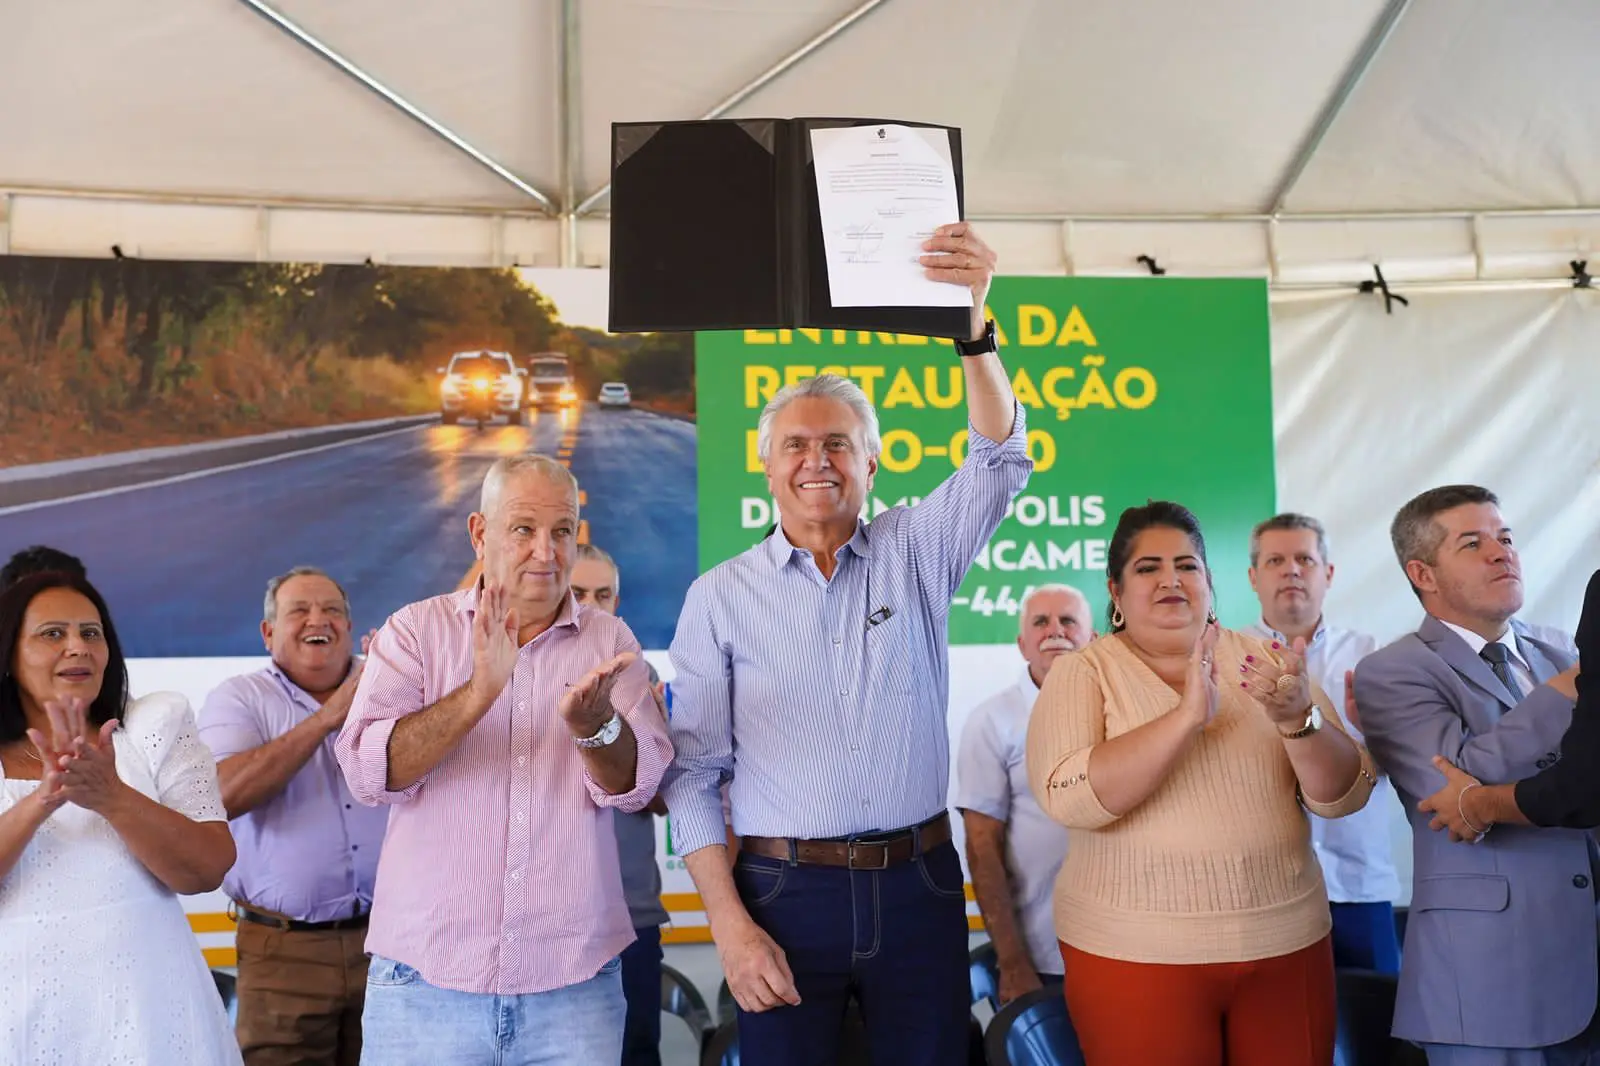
(614, 394)
(479, 386)
(551, 384)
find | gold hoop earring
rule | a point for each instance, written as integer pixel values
(1116, 616)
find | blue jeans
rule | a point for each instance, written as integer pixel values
(408, 1022)
(641, 986)
(894, 939)
(1364, 937)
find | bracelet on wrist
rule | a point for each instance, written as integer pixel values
(1461, 809)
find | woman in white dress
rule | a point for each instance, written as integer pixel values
(108, 810)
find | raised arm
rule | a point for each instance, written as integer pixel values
(1333, 772)
(251, 768)
(945, 532)
(958, 256)
(391, 739)
(625, 773)
(181, 836)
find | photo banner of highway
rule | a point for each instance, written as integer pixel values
(1134, 389)
(192, 429)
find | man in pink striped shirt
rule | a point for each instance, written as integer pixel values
(503, 723)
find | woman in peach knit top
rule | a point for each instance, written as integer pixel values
(1182, 757)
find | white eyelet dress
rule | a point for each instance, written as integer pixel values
(97, 961)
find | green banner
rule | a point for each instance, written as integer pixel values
(1134, 389)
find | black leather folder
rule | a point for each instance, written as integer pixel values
(715, 225)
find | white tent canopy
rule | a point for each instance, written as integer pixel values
(1447, 140)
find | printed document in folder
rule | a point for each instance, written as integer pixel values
(881, 192)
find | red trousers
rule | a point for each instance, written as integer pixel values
(1271, 1012)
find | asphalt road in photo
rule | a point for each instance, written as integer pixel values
(183, 560)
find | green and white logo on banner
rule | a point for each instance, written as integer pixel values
(1133, 389)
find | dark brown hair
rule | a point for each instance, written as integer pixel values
(14, 603)
(1162, 514)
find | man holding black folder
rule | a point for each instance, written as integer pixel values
(812, 671)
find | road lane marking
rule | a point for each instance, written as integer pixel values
(117, 490)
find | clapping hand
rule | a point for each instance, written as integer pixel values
(334, 712)
(48, 795)
(586, 706)
(82, 758)
(1280, 686)
(494, 643)
(1201, 694)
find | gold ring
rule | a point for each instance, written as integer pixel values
(1287, 682)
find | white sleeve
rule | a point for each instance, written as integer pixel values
(185, 772)
(983, 780)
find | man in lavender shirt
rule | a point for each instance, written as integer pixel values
(308, 853)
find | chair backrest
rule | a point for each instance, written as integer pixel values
(680, 997)
(727, 1007)
(722, 1049)
(983, 970)
(1033, 1030)
(228, 989)
(1366, 1012)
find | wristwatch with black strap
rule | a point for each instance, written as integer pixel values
(984, 345)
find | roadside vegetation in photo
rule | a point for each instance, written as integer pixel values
(100, 356)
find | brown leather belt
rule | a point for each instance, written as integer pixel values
(292, 925)
(877, 851)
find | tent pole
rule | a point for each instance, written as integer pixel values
(1294, 292)
(291, 203)
(571, 91)
(1420, 215)
(1357, 70)
(294, 30)
(750, 88)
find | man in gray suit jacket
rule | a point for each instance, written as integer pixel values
(1500, 964)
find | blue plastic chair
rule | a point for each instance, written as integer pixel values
(1033, 1030)
(1366, 1013)
(983, 969)
(722, 1049)
(228, 989)
(680, 997)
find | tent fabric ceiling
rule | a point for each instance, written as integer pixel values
(1068, 110)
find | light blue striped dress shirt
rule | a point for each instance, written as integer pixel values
(826, 725)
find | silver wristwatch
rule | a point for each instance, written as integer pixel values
(606, 734)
